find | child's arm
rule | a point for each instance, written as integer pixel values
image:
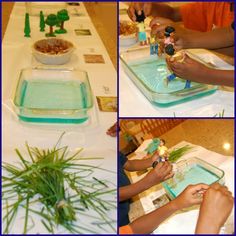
(161, 172)
(195, 71)
(137, 165)
(217, 38)
(185, 38)
(148, 223)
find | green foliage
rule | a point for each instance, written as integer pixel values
(63, 15)
(56, 187)
(27, 25)
(51, 20)
(42, 22)
(220, 114)
(177, 153)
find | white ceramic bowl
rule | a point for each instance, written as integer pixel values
(53, 51)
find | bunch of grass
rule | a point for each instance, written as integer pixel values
(64, 187)
(179, 152)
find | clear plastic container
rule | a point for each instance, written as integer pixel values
(192, 171)
(34, 8)
(53, 96)
(149, 73)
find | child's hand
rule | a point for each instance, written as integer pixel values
(215, 208)
(112, 131)
(161, 22)
(161, 172)
(158, 26)
(189, 69)
(146, 7)
(192, 195)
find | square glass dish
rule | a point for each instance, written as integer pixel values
(53, 96)
(192, 171)
(149, 74)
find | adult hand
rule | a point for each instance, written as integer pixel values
(216, 206)
(192, 195)
(146, 7)
(161, 172)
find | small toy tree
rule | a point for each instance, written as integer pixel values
(42, 22)
(51, 21)
(62, 16)
(27, 25)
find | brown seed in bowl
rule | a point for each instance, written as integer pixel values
(53, 46)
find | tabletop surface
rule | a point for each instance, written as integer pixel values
(92, 137)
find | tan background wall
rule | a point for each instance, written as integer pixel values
(208, 133)
(6, 11)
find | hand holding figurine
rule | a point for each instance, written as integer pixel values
(161, 172)
(138, 7)
(158, 26)
(192, 195)
(189, 69)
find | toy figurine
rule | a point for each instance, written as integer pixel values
(163, 151)
(153, 146)
(177, 56)
(42, 22)
(27, 25)
(142, 36)
(51, 21)
(153, 45)
(169, 35)
(62, 16)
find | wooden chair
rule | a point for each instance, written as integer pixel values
(157, 127)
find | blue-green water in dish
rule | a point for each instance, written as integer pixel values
(153, 72)
(194, 175)
(44, 94)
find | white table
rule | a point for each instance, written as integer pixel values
(132, 103)
(174, 224)
(17, 55)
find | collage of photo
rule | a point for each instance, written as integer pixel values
(117, 118)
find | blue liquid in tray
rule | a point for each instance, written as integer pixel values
(44, 94)
(195, 175)
(153, 72)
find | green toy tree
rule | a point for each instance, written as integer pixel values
(62, 16)
(27, 26)
(51, 21)
(42, 22)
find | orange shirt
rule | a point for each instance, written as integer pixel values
(202, 16)
(125, 230)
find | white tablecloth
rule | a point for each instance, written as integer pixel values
(180, 222)
(17, 55)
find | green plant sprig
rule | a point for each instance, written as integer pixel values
(64, 187)
(179, 152)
